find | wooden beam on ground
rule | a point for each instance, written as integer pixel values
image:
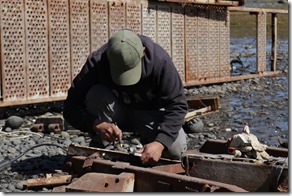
(49, 181)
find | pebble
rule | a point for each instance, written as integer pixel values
(14, 122)
(11, 187)
(65, 135)
(135, 141)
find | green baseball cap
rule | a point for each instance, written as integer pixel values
(124, 52)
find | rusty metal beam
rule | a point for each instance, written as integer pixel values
(232, 78)
(246, 9)
(207, 2)
(217, 146)
(77, 150)
(172, 168)
(151, 180)
(31, 101)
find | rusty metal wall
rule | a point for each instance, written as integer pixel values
(44, 43)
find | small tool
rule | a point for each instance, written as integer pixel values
(119, 142)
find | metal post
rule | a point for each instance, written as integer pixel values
(274, 42)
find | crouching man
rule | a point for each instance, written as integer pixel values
(132, 82)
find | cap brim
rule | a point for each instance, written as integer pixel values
(129, 77)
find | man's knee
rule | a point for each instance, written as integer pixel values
(178, 147)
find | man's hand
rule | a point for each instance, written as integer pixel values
(151, 152)
(108, 131)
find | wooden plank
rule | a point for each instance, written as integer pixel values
(197, 112)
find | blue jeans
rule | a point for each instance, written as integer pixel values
(101, 102)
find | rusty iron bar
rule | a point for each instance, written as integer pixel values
(153, 180)
(233, 78)
(98, 153)
(50, 181)
(217, 146)
(256, 10)
(208, 2)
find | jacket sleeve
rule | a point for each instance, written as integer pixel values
(173, 100)
(74, 110)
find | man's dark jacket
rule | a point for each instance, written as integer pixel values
(159, 87)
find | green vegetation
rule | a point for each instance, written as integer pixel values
(242, 24)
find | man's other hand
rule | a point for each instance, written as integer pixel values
(151, 152)
(108, 131)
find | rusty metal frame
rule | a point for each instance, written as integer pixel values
(160, 180)
(41, 67)
(167, 175)
(267, 175)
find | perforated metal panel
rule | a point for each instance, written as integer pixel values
(117, 16)
(261, 42)
(224, 51)
(60, 77)
(98, 23)
(164, 27)
(149, 20)
(191, 43)
(203, 54)
(36, 29)
(13, 50)
(133, 19)
(79, 24)
(178, 52)
(44, 43)
(213, 41)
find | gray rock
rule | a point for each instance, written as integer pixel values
(74, 132)
(20, 185)
(14, 122)
(16, 142)
(110, 147)
(11, 187)
(11, 150)
(79, 140)
(65, 135)
(135, 141)
(193, 126)
(67, 142)
(8, 129)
